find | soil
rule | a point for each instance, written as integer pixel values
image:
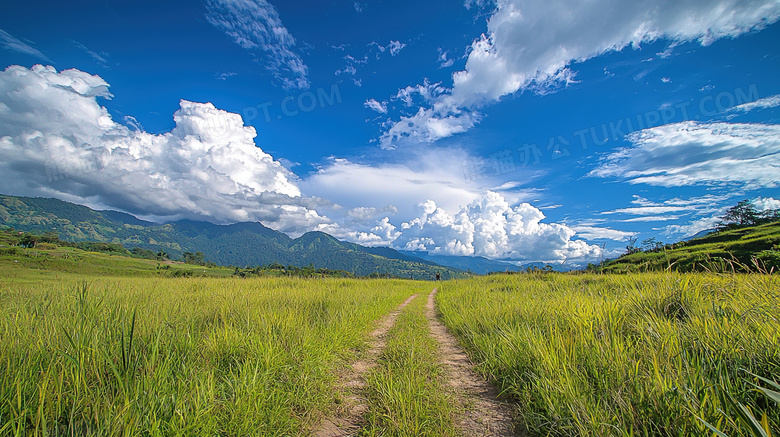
(483, 414)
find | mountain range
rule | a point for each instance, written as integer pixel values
(239, 244)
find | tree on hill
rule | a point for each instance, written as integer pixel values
(194, 258)
(29, 240)
(745, 213)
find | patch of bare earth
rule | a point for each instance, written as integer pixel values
(348, 418)
(484, 414)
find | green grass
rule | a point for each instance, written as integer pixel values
(160, 356)
(20, 265)
(131, 351)
(642, 354)
(406, 392)
(726, 251)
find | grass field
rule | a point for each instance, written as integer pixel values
(151, 356)
(19, 265)
(139, 353)
(644, 354)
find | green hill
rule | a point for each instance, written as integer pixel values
(753, 248)
(239, 244)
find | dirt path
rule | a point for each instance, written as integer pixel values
(484, 414)
(348, 418)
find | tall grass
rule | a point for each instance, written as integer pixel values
(406, 391)
(643, 354)
(180, 356)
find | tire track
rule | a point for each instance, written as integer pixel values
(483, 414)
(348, 418)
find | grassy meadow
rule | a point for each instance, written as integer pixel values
(193, 356)
(98, 344)
(624, 355)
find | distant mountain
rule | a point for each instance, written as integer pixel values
(700, 234)
(481, 265)
(239, 244)
(475, 264)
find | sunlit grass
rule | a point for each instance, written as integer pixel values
(144, 356)
(643, 354)
(406, 391)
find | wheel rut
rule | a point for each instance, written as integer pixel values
(348, 417)
(483, 414)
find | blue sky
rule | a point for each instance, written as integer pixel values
(518, 130)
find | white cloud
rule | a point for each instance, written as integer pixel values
(765, 103)
(427, 126)
(383, 234)
(226, 76)
(666, 79)
(364, 213)
(490, 227)
(255, 25)
(348, 69)
(598, 233)
(9, 42)
(692, 228)
(444, 62)
(427, 92)
(395, 47)
(528, 47)
(527, 44)
(57, 141)
(376, 106)
(429, 175)
(646, 210)
(651, 218)
(691, 153)
(766, 203)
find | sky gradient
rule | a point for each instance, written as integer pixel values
(517, 130)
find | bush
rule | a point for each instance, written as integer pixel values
(10, 251)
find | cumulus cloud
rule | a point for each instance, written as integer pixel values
(529, 48)
(9, 42)
(381, 235)
(56, 140)
(490, 227)
(766, 204)
(255, 25)
(692, 153)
